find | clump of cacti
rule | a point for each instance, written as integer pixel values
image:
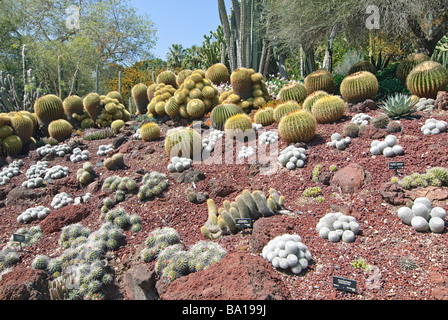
(436, 177)
(61, 200)
(287, 253)
(221, 113)
(388, 148)
(32, 214)
(121, 187)
(247, 205)
(86, 174)
(338, 142)
(408, 64)
(179, 164)
(268, 138)
(162, 94)
(423, 217)
(337, 226)
(209, 143)
(58, 150)
(123, 220)
(12, 170)
(153, 184)
(158, 240)
(112, 111)
(167, 77)
(8, 258)
(183, 142)
(56, 172)
(74, 110)
(116, 162)
(104, 150)
(285, 108)
(265, 116)
(292, 158)
(48, 108)
(434, 127)
(312, 98)
(32, 236)
(98, 134)
(361, 118)
(79, 155)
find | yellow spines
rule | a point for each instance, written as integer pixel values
(427, 79)
(299, 126)
(218, 73)
(150, 131)
(312, 98)
(320, 80)
(49, 108)
(284, 109)
(359, 87)
(60, 130)
(23, 127)
(293, 92)
(329, 109)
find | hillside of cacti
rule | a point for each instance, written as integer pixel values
(310, 180)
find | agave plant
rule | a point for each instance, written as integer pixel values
(399, 106)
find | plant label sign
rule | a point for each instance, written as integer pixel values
(244, 223)
(345, 285)
(396, 165)
(20, 238)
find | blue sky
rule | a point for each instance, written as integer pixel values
(180, 21)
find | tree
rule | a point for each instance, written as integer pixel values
(175, 56)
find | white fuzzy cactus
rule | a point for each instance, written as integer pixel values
(337, 226)
(292, 158)
(423, 217)
(433, 127)
(388, 148)
(338, 142)
(287, 252)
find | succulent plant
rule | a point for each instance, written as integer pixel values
(247, 205)
(238, 125)
(312, 98)
(196, 108)
(23, 127)
(293, 256)
(140, 96)
(92, 104)
(183, 142)
(182, 75)
(427, 79)
(117, 125)
(337, 226)
(221, 113)
(423, 217)
(40, 262)
(12, 145)
(116, 162)
(284, 109)
(293, 92)
(359, 86)
(167, 77)
(399, 106)
(292, 157)
(241, 82)
(320, 80)
(363, 66)
(298, 126)
(60, 130)
(49, 108)
(73, 105)
(328, 109)
(406, 66)
(265, 116)
(218, 73)
(150, 131)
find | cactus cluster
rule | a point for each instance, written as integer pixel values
(32, 214)
(162, 93)
(173, 262)
(292, 158)
(209, 143)
(104, 150)
(425, 104)
(123, 220)
(74, 111)
(246, 152)
(337, 226)
(248, 90)
(32, 236)
(268, 138)
(121, 187)
(423, 217)
(8, 258)
(338, 142)
(217, 74)
(82, 199)
(361, 118)
(86, 174)
(288, 253)
(116, 162)
(111, 110)
(153, 184)
(221, 113)
(61, 200)
(12, 170)
(179, 164)
(98, 134)
(388, 148)
(158, 240)
(427, 79)
(434, 127)
(58, 150)
(435, 177)
(246, 205)
(312, 98)
(56, 172)
(79, 155)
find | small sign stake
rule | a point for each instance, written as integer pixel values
(20, 238)
(244, 224)
(396, 166)
(345, 285)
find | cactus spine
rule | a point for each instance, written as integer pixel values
(296, 127)
(359, 87)
(328, 109)
(320, 80)
(427, 79)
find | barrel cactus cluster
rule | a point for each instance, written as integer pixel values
(86, 174)
(222, 221)
(335, 226)
(423, 217)
(288, 253)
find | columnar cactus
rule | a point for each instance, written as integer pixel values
(140, 95)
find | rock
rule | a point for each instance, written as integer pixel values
(394, 194)
(65, 216)
(441, 102)
(23, 196)
(370, 132)
(351, 178)
(188, 176)
(221, 188)
(139, 283)
(25, 284)
(237, 276)
(119, 141)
